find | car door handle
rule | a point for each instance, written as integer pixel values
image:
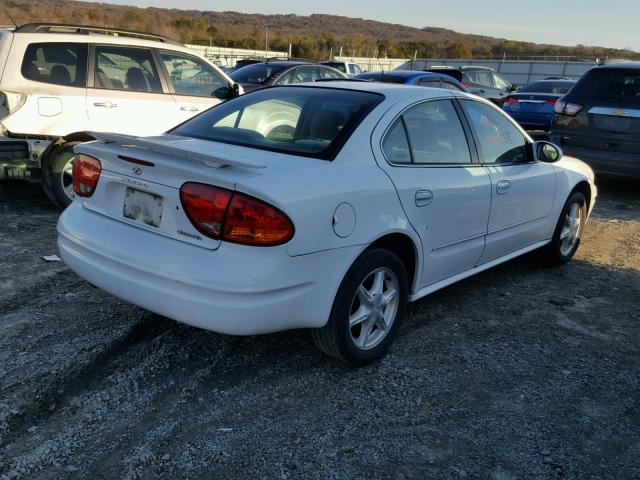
(189, 109)
(502, 187)
(423, 198)
(105, 105)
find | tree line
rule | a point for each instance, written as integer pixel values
(314, 37)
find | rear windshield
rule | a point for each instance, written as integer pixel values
(617, 85)
(307, 121)
(559, 87)
(381, 78)
(256, 73)
(337, 65)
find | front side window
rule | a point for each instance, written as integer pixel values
(57, 63)
(435, 134)
(124, 68)
(355, 69)
(305, 121)
(330, 73)
(498, 140)
(191, 76)
(500, 82)
(480, 77)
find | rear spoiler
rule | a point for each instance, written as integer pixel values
(178, 147)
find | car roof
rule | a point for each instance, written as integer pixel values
(392, 91)
(407, 74)
(619, 66)
(286, 63)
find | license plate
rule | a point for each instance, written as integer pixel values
(142, 207)
(615, 124)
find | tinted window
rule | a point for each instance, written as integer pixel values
(58, 63)
(395, 145)
(498, 140)
(381, 78)
(122, 68)
(435, 134)
(451, 86)
(305, 121)
(557, 87)
(430, 82)
(615, 84)
(191, 76)
(257, 73)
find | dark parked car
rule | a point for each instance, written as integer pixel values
(598, 121)
(532, 106)
(411, 77)
(481, 81)
(282, 72)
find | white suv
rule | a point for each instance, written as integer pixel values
(59, 82)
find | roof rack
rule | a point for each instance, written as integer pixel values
(86, 30)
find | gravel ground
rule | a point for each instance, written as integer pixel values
(520, 372)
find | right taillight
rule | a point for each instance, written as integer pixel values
(509, 101)
(86, 173)
(566, 108)
(234, 217)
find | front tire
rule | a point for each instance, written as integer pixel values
(566, 237)
(367, 310)
(56, 174)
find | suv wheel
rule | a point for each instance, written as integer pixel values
(56, 174)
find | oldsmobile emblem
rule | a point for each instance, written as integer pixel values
(619, 112)
(136, 170)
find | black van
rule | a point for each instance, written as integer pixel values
(598, 121)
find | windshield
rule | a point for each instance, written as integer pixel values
(256, 73)
(559, 88)
(307, 121)
(618, 85)
(337, 65)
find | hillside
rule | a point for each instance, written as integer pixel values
(313, 36)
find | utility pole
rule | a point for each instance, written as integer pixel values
(266, 42)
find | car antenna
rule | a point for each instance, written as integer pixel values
(7, 13)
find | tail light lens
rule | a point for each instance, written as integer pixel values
(86, 173)
(566, 108)
(466, 85)
(552, 101)
(234, 217)
(509, 101)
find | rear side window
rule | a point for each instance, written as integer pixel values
(451, 86)
(617, 85)
(430, 82)
(427, 134)
(56, 63)
(306, 121)
(124, 68)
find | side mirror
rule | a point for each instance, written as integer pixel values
(513, 88)
(547, 152)
(225, 93)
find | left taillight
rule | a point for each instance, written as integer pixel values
(86, 173)
(510, 101)
(234, 217)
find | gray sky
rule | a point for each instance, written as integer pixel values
(610, 23)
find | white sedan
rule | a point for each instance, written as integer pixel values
(325, 206)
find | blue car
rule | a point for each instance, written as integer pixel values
(532, 106)
(411, 77)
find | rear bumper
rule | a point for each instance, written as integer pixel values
(20, 158)
(532, 121)
(236, 289)
(602, 161)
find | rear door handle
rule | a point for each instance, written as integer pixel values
(105, 104)
(189, 109)
(502, 187)
(423, 198)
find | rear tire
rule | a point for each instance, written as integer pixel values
(566, 237)
(56, 174)
(367, 310)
